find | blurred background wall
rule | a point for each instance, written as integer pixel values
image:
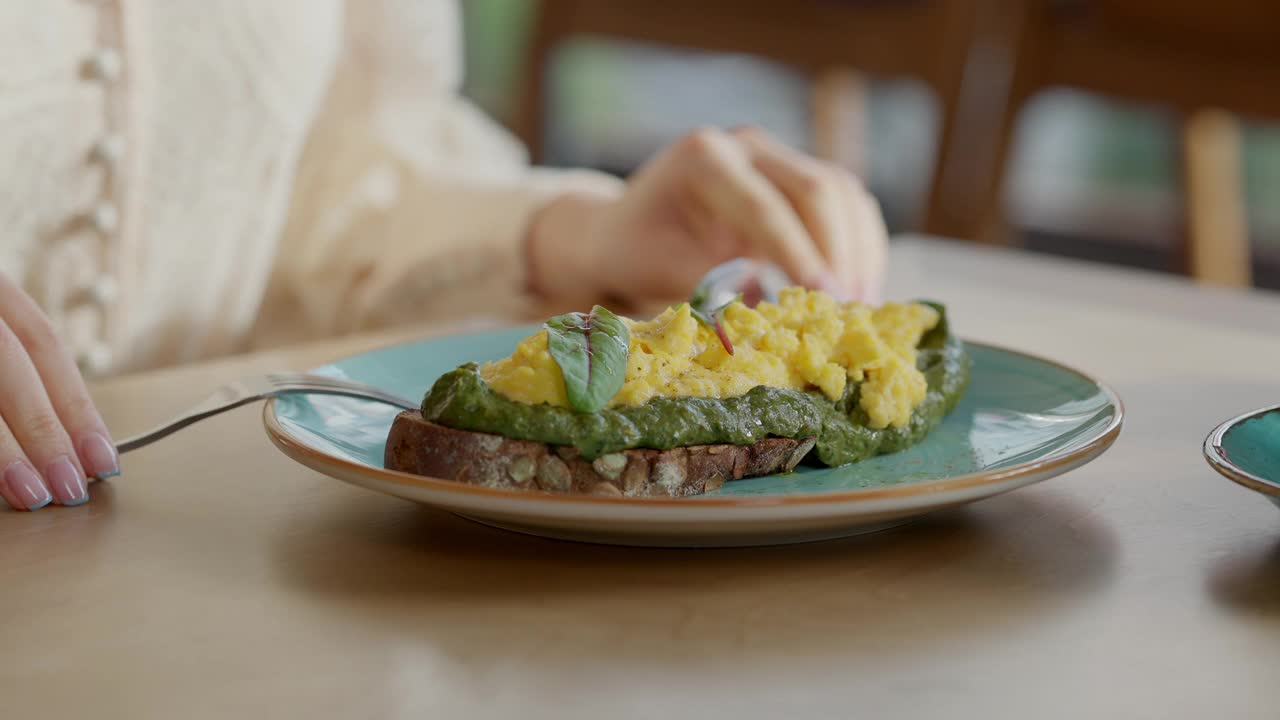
(1091, 176)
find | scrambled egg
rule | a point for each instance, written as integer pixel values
(806, 341)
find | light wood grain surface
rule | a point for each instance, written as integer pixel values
(215, 578)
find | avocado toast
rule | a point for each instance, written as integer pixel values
(677, 405)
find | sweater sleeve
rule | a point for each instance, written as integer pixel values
(409, 204)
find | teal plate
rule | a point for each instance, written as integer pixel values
(1023, 419)
(1246, 449)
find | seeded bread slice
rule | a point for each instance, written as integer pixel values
(425, 448)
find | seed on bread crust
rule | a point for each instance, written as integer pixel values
(611, 465)
(522, 470)
(636, 476)
(606, 488)
(671, 472)
(553, 474)
(799, 452)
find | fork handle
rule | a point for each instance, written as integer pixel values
(216, 405)
(180, 422)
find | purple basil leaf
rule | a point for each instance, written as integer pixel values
(591, 350)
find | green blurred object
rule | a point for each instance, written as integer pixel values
(1262, 182)
(496, 35)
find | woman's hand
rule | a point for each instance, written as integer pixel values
(50, 432)
(710, 197)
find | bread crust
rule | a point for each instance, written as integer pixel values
(420, 447)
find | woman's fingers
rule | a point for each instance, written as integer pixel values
(870, 241)
(62, 382)
(26, 411)
(817, 193)
(20, 484)
(842, 217)
(715, 195)
(737, 195)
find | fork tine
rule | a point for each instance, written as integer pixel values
(296, 382)
(290, 378)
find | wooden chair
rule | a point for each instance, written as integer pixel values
(1196, 57)
(924, 39)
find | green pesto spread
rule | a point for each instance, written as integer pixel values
(462, 400)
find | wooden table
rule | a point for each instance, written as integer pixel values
(218, 579)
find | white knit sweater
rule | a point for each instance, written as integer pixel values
(185, 178)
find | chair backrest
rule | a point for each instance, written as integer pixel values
(1217, 21)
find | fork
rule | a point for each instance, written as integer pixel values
(253, 389)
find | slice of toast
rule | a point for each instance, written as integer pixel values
(417, 446)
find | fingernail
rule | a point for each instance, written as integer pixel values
(67, 483)
(828, 283)
(100, 456)
(25, 485)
